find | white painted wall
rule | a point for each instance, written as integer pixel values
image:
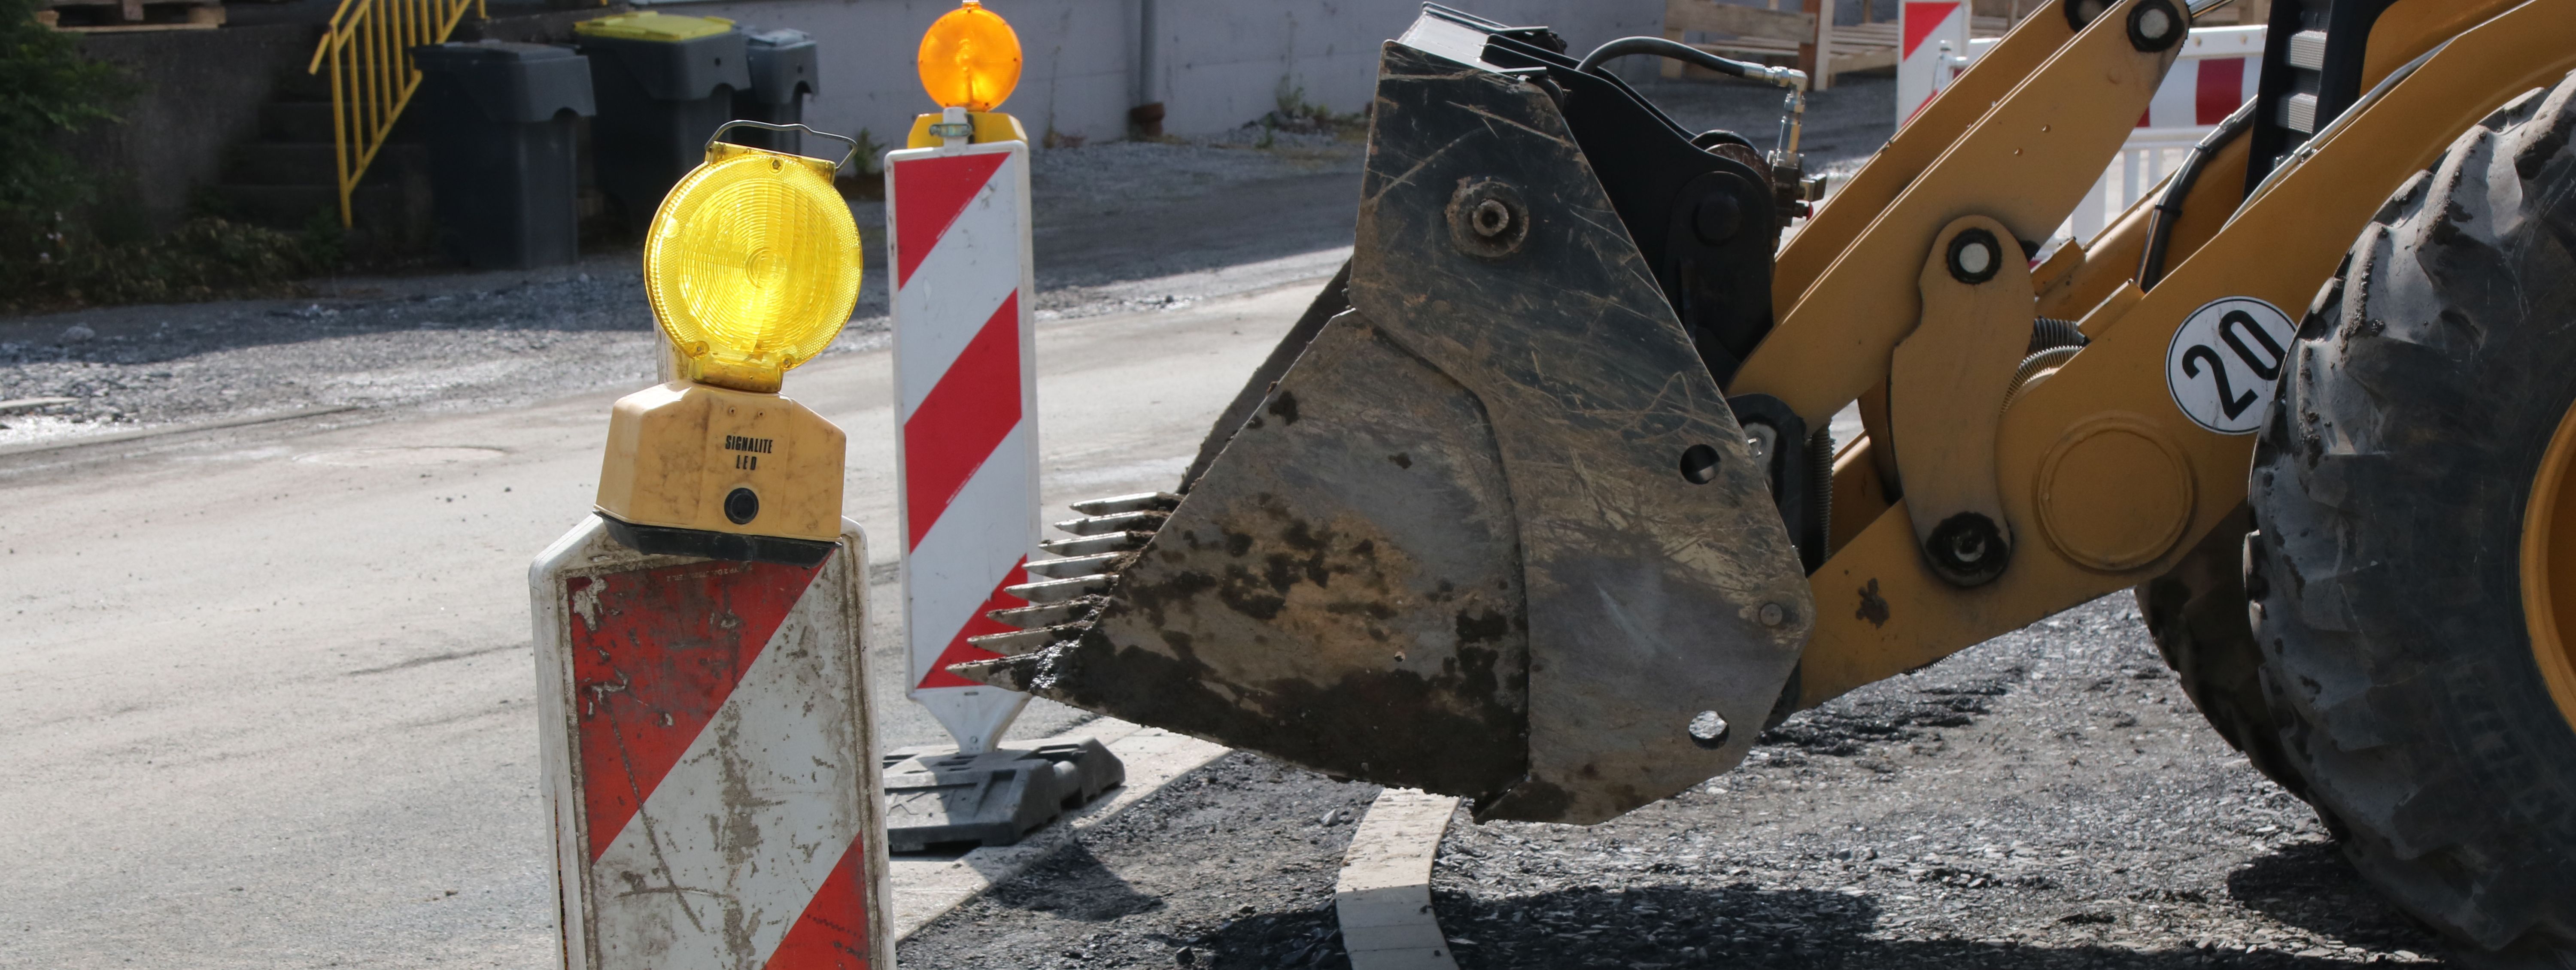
(1223, 63)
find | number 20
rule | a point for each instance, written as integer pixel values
(2229, 399)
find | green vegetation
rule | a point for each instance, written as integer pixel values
(51, 256)
(46, 90)
(1292, 112)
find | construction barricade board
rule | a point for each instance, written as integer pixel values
(965, 382)
(1932, 49)
(710, 763)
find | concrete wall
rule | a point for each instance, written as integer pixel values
(200, 95)
(1226, 62)
(1222, 63)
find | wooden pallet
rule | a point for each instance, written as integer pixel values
(109, 16)
(1788, 37)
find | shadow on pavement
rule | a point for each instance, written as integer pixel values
(2309, 885)
(1073, 884)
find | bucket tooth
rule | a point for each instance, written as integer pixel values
(1138, 502)
(1094, 545)
(1021, 642)
(1047, 614)
(1076, 566)
(1121, 522)
(1060, 590)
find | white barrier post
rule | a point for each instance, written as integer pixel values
(1932, 43)
(965, 360)
(710, 764)
(965, 383)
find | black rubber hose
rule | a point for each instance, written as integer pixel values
(1672, 49)
(2168, 210)
(2047, 333)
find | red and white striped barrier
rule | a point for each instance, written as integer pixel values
(2215, 76)
(965, 347)
(710, 766)
(2216, 73)
(1932, 49)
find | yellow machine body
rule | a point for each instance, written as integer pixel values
(2104, 482)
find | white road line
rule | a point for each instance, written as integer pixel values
(926, 889)
(1383, 897)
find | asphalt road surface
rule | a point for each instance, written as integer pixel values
(268, 689)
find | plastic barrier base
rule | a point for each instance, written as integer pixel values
(938, 797)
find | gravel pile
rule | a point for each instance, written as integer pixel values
(2047, 799)
(463, 348)
(1229, 866)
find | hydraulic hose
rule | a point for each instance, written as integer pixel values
(2168, 209)
(1791, 119)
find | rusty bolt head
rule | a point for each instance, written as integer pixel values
(1487, 218)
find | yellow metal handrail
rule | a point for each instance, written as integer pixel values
(368, 45)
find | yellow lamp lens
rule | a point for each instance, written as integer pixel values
(970, 59)
(752, 266)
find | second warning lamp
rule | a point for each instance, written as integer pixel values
(969, 63)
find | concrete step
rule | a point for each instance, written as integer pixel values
(299, 86)
(308, 163)
(295, 121)
(392, 219)
(283, 163)
(283, 206)
(392, 205)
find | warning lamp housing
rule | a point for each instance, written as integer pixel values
(969, 59)
(752, 266)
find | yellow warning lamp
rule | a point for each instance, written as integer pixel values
(969, 62)
(752, 266)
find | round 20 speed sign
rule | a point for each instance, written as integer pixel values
(2224, 359)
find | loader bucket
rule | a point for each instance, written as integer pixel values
(1491, 531)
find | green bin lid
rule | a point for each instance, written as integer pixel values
(657, 27)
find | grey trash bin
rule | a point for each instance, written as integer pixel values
(665, 84)
(504, 174)
(782, 74)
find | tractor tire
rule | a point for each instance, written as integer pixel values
(2196, 612)
(2389, 489)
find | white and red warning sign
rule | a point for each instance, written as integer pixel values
(965, 351)
(710, 763)
(2215, 75)
(1932, 50)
